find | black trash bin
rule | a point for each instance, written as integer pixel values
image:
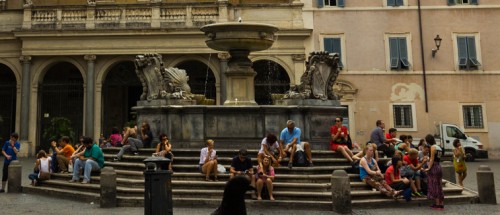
(157, 187)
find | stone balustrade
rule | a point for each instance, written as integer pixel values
(122, 17)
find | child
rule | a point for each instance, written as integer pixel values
(459, 162)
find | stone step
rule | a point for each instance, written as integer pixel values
(370, 194)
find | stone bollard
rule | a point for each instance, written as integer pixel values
(341, 192)
(449, 172)
(108, 187)
(15, 177)
(486, 185)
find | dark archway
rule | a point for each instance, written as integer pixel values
(201, 78)
(8, 102)
(120, 92)
(271, 78)
(61, 95)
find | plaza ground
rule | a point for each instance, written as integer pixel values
(36, 204)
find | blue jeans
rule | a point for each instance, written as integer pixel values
(33, 176)
(87, 165)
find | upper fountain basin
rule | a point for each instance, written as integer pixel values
(239, 36)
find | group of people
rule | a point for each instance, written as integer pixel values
(410, 169)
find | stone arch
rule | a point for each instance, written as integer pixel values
(279, 61)
(104, 69)
(42, 69)
(271, 80)
(345, 90)
(212, 63)
(9, 89)
(15, 70)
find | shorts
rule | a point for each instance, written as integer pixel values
(300, 147)
(334, 146)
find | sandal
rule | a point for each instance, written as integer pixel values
(215, 178)
(207, 179)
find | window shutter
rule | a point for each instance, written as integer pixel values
(321, 3)
(391, 2)
(471, 47)
(473, 2)
(403, 52)
(336, 48)
(399, 3)
(451, 2)
(462, 51)
(328, 43)
(340, 3)
(394, 55)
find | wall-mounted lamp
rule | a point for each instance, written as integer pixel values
(437, 40)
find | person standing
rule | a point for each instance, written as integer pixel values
(290, 138)
(9, 150)
(459, 162)
(434, 175)
(383, 144)
(338, 143)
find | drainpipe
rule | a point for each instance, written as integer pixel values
(422, 56)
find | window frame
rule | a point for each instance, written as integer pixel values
(413, 123)
(456, 57)
(342, 47)
(483, 116)
(408, 38)
(397, 3)
(338, 3)
(456, 2)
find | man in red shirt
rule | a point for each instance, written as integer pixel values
(411, 160)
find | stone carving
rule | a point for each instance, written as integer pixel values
(406, 92)
(28, 3)
(159, 82)
(318, 79)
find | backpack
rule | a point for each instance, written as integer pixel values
(299, 159)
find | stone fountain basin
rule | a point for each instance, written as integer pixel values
(239, 36)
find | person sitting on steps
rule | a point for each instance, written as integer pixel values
(164, 149)
(63, 155)
(208, 160)
(290, 137)
(242, 165)
(130, 143)
(338, 142)
(270, 148)
(265, 176)
(92, 159)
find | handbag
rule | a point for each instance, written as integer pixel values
(70, 167)
(43, 176)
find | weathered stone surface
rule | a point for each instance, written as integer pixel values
(15, 177)
(449, 172)
(341, 192)
(486, 185)
(108, 187)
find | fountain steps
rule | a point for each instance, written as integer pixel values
(303, 185)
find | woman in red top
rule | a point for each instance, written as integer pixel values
(393, 176)
(338, 142)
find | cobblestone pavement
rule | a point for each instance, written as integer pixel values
(36, 204)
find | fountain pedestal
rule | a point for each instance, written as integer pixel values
(239, 39)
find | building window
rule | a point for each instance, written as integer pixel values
(334, 45)
(398, 53)
(454, 2)
(467, 53)
(403, 115)
(473, 116)
(335, 3)
(395, 3)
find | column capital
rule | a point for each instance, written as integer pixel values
(224, 56)
(298, 57)
(89, 57)
(25, 59)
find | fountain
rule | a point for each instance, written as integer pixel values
(168, 106)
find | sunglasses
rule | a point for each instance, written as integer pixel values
(337, 120)
(164, 139)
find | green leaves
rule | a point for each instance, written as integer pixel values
(58, 127)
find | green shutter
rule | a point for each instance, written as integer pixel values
(451, 2)
(399, 3)
(403, 52)
(340, 3)
(391, 2)
(321, 3)
(462, 51)
(337, 48)
(473, 2)
(328, 44)
(471, 47)
(394, 55)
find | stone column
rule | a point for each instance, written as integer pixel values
(15, 177)
(341, 192)
(298, 66)
(223, 58)
(108, 188)
(223, 13)
(89, 107)
(449, 172)
(485, 185)
(240, 79)
(25, 97)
